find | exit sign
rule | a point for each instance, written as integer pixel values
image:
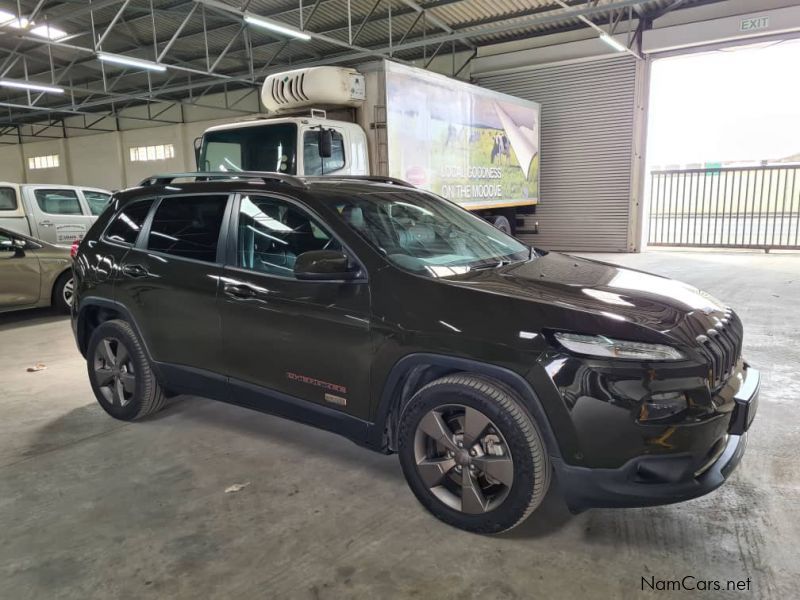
(753, 23)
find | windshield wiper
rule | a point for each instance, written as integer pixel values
(489, 265)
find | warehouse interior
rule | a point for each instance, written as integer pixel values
(205, 499)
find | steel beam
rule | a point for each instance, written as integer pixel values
(99, 43)
(178, 32)
(596, 27)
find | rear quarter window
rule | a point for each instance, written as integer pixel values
(125, 227)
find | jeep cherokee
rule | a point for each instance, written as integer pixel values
(386, 314)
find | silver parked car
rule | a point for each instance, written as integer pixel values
(33, 273)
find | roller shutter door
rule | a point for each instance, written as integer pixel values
(587, 148)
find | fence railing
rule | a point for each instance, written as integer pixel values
(730, 207)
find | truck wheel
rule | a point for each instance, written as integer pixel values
(472, 454)
(503, 224)
(120, 374)
(63, 292)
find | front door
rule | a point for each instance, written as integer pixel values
(20, 278)
(57, 214)
(306, 339)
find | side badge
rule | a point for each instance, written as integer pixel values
(338, 400)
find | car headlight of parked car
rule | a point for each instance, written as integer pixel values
(599, 345)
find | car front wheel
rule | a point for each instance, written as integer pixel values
(472, 454)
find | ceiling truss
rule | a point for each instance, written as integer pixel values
(206, 46)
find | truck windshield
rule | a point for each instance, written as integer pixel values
(270, 147)
(428, 235)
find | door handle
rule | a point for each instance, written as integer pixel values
(135, 271)
(239, 290)
(46, 223)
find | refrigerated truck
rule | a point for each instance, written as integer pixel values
(474, 146)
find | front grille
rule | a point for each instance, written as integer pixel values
(722, 347)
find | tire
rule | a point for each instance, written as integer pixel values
(63, 292)
(509, 493)
(502, 223)
(121, 377)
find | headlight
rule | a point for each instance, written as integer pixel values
(598, 345)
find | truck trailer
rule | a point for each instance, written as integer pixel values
(476, 147)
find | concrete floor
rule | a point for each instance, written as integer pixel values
(96, 508)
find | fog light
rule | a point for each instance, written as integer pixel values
(663, 405)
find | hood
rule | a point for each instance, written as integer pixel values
(601, 289)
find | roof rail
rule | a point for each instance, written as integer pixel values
(374, 178)
(265, 176)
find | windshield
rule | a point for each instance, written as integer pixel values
(428, 235)
(270, 147)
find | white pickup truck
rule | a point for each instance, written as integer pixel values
(58, 214)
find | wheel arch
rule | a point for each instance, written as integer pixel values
(414, 371)
(54, 279)
(93, 311)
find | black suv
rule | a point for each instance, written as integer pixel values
(393, 317)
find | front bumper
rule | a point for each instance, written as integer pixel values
(664, 479)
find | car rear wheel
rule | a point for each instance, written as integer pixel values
(120, 374)
(64, 292)
(472, 454)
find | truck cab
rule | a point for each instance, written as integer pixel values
(289, 145)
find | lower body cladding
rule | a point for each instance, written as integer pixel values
(665, 460)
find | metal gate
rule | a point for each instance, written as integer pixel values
(737, 207)
(587, 153)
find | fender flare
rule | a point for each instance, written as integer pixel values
(390, 396)
(97, 301)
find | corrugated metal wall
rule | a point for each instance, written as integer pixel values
(587, 149)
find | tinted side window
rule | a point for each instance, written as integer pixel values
(313, 164)
(97, 201)
(58, 202)
(188, 226)
(8, 199)
(273, 233)
(127, 224)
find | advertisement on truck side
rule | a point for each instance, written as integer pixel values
(473, 146)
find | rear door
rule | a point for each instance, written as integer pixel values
(56, 213)
(168, 281)
(20, 278)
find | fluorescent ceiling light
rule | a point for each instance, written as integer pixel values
(48, 32)
(7, 18)
(130, 62)
(26, 85)
(272, 26)
(612, 42)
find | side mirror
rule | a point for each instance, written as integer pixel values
(198, 143)
(325, 143)
(322, 265)
(19, 246)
